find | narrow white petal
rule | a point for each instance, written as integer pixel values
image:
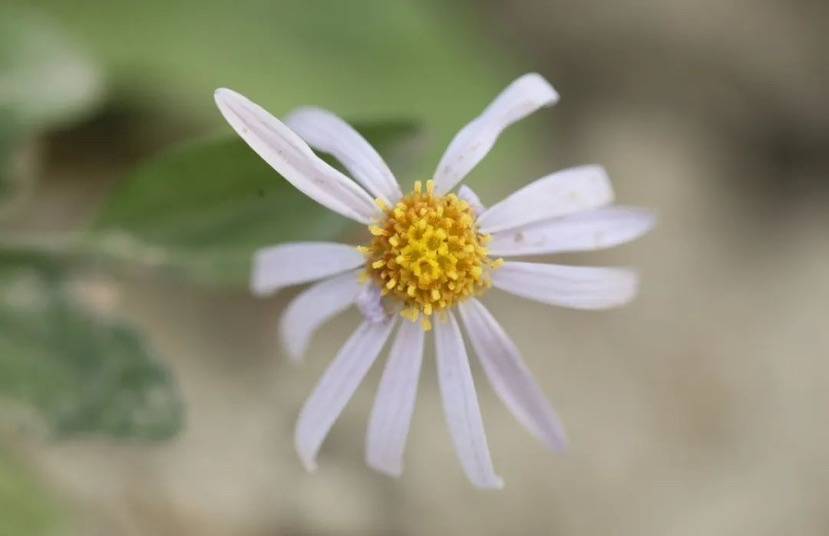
(510, 377)
(583, 231)
(395, 402)
(561, 193)
(577, 287)
(328, 133)
(466, 194)
(370, 303)
(469, 146)
(284, 265)
(313, 307)
(336, 387)
(460, 403)
(280, 147)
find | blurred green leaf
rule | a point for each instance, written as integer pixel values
(79, 372)
(45, 80)
(202, 209)
(25, 508)
(16, 163)
(361, 58)
(8, 142)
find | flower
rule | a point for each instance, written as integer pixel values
(430, 252)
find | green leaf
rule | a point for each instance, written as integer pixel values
(202, 209)
(79, 372)
(45, 80)
(359, 58)
(25, 508)
(8, 143)
(13, 182)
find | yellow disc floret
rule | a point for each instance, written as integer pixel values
(428, 253)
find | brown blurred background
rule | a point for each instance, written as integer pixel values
(699, 409)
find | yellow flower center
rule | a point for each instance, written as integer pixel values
(428, 253)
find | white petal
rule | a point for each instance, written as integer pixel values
(466, 194)
(578, 287)
(336, 387)
(509, 376)
(395, 402)
(313, 307)
(328, 133)
(284, 265)
(583, 231)
(460, 404)
(469, 146)
(565, 192)
(370, 303)
(293, 159)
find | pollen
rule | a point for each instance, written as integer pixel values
(427, 253)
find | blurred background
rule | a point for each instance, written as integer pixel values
(142, 390)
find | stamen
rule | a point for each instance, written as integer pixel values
(428, 253)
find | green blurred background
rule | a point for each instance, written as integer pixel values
(142, 391)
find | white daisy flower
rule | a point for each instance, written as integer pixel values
(430, 252)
